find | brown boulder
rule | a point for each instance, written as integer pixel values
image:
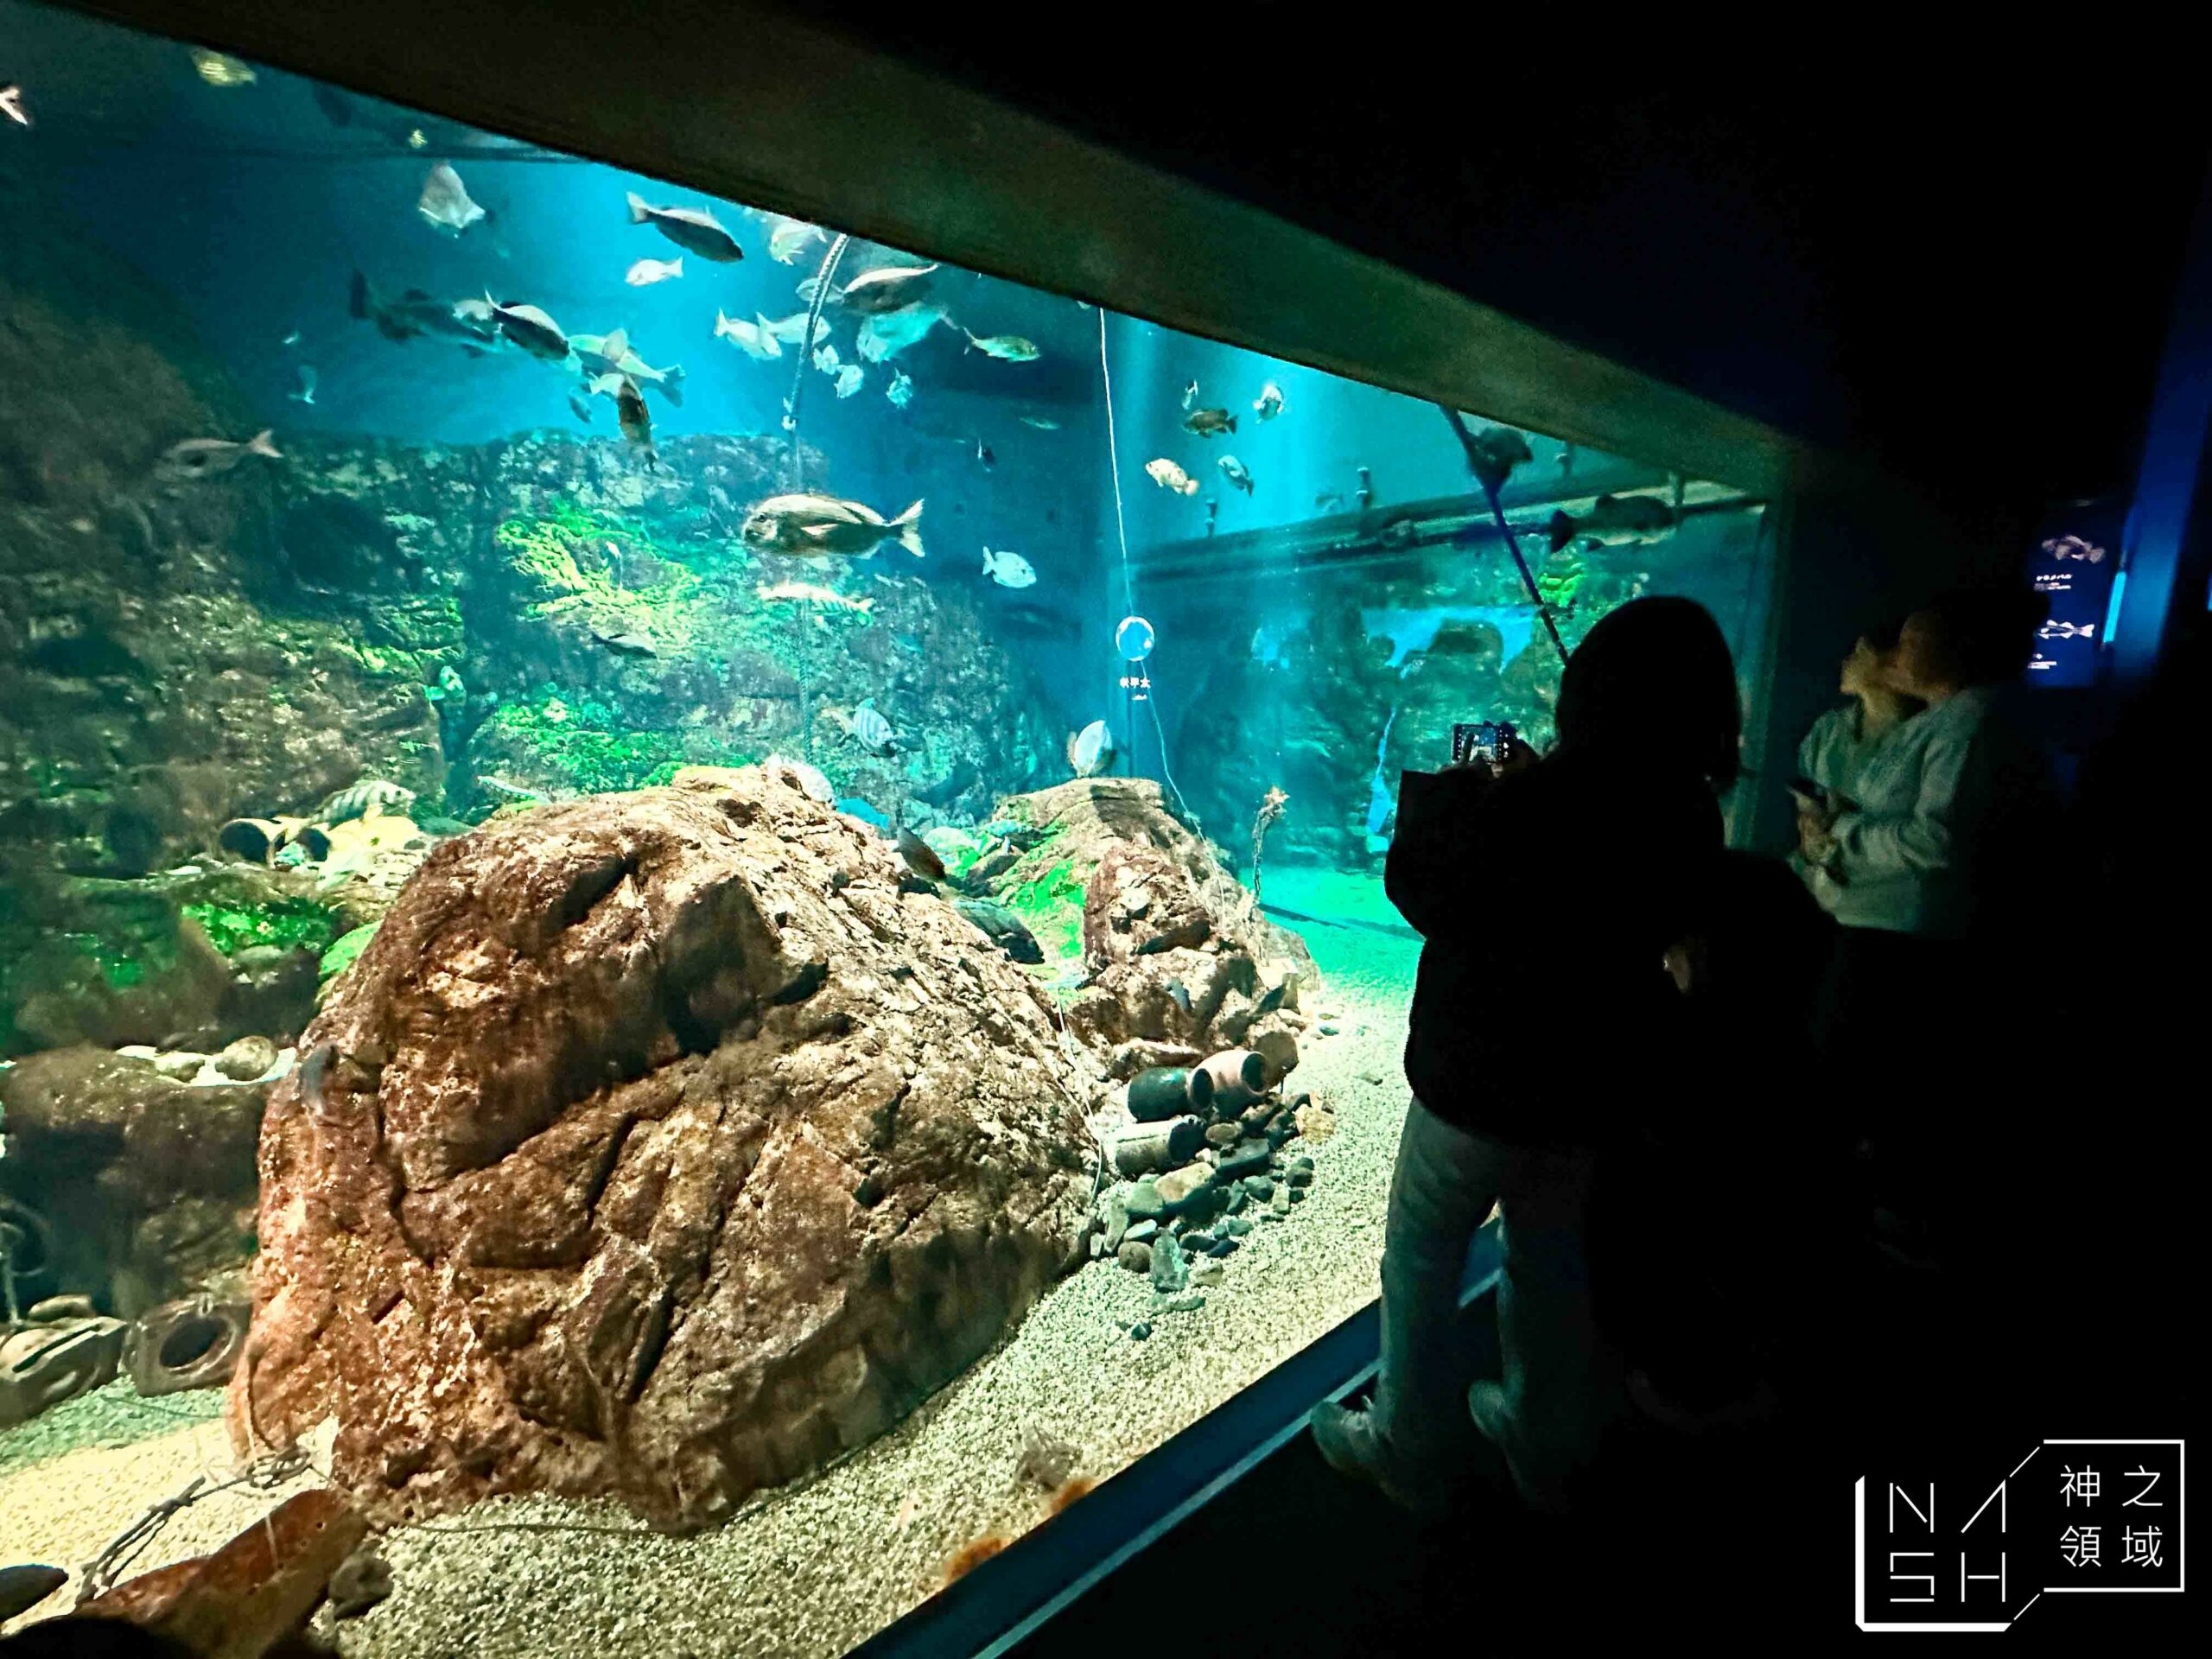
(259, 1588)
(1178, 960)
(665, 1149)
(153, 1178)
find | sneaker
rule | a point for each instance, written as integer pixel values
(1350, 1443)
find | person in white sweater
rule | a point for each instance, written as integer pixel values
(1933, 865)
(1842, 756)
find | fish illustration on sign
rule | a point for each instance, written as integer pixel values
(2073, 546)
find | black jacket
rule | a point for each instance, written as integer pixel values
(1547, 899)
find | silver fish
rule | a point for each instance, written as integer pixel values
(1091, 751)
(646, 272)
(1268, 404)
(582, 404)
(788, 237)
(888, 288)
(788, 329)
(1008, 349)
(444, 202)
(887, 333)
(900, 391)
(307, 380)
(757, 338)
(803, 525)
(1238, 474)
(848, 380)
(1613, 521)
(687, 227)
(531, 329)
(197, 458)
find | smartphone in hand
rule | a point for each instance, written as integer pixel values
(1489, 741)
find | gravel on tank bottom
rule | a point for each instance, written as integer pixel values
(815, 1568)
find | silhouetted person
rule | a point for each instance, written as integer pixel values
(1743, 1162)
(1548, 897)
(1841, 756)
(1963, 807)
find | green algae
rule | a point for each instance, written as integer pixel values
(342, 951)
(590, 749)
(288, 924)
(1049, 904)
(573, 556)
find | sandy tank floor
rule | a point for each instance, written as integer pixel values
(815, 1568)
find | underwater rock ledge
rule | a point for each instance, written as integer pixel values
(659, 1146)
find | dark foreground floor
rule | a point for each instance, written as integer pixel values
(1725, 1545)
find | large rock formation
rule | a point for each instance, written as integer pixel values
(658, 1145)
(1178, 962)
(1368, 682)
(148, 1183)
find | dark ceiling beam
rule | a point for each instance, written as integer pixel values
(748, 103)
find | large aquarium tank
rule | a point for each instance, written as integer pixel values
(690, 910)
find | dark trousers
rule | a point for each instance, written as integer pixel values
(1915, 1032)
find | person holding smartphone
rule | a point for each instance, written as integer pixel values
(1543, 1014)
(1935, 857)
(1837, 773)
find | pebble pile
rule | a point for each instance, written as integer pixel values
(1229, 1170)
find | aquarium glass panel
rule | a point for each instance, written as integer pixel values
(690, 910)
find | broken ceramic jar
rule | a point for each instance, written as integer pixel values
(41, 1365)
(192, 1344)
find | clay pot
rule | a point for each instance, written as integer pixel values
(1239, 1076)
(1164, 1091)
(1142, 1148)
(193, 1344)
(254, 839)
(41, 1365)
